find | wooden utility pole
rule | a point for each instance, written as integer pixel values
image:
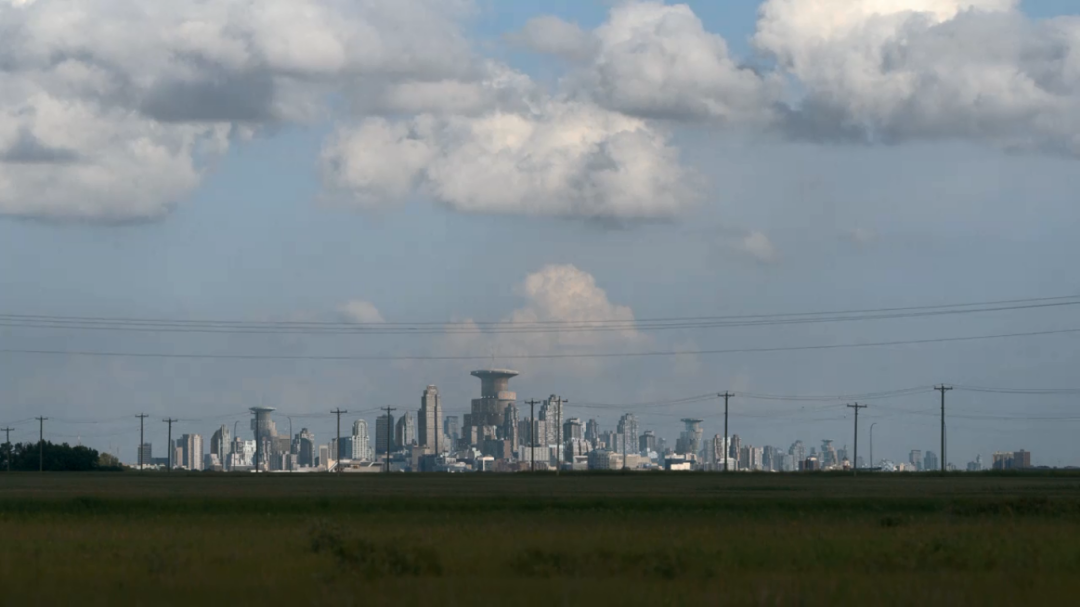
(855, 457)
(389, 435)
(727, 445)
(337, 457)
(943, 389)
(142, 417)
(170, 451)
(532, 434)
(41, 443)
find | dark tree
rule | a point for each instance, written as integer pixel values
(57, 458)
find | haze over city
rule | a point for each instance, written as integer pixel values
(209, 207)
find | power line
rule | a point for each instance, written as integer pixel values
(577, 326)
(471, 325)
(209, 356)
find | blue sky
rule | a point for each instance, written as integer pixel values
(957, 207)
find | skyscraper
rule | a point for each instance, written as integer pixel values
(490, 409)
(305, 449)
(190, 447)
(361, 444)
(689, 442)
(573, 429)
(930, 462)
(592, 431)
(429, 430)
(551, 413)
(647, 442)
(452, 431)
(147, 453)
(628, 429)
(405, 431)
(510, 428)
(219, 443)
(384, 425)
(915, 458)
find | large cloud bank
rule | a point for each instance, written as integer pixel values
(112, 110)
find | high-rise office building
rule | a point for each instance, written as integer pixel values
(452, 431)
(573, 429)
(384, 439)
(930, 462)
(735, 452)
(647, 442)
(220, 442)
(306, 451)
(190, 452)
(405, 431)
(146, 454)
(1021, 459)
(592, 431)
(360, 445)
(797, 451)
(428, 422)
(628, 429)
(915, 458)
(551, 413)
(510, 428)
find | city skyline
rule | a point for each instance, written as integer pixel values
(178, 201)
(560, 441)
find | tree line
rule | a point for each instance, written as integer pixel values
(53, 457)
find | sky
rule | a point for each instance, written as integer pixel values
(471, 161)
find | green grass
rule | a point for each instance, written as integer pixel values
(638, 539)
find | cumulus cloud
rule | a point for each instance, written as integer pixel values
(553, 36)
(110, 109)
(658, 61)
(556, 294)
(930, 69)
(531, 154)
(758, 246)
(361, 312)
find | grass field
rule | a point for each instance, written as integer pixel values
(637, 539)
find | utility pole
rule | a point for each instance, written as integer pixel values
(532, 434)
(943, 389)
(855, 458)
(389, 436)
(141, 416)
(41, 443)
(558, 422)
(872, 445)
(727, 445)
(337, 457)
(170, 453)
(7, 442)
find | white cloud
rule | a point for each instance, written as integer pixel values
(553, 36)
(109, 109)
(758, 246)
(531, 154)
(658, 61)
(555, 294)
(361, 312)
(921, 69)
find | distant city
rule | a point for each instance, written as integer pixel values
(503, 434)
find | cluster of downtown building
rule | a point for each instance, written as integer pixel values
(503, 435)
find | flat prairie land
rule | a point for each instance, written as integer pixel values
(575, 539)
